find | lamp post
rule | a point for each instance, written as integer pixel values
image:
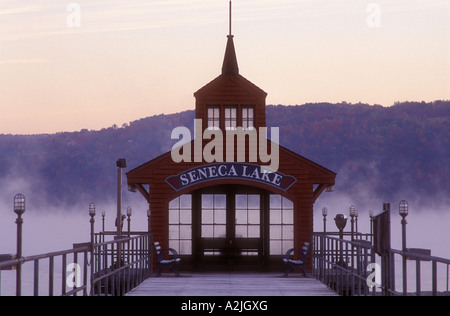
(325, 214)
(371, 214)
(103, 220)
(92, 221)
(129, 213)
(121, 164)
(19, 209)
(352, 212)
(403, 211)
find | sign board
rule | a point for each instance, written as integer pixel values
(382, 232)
(7, 257)
(230, 171)
(423, 254)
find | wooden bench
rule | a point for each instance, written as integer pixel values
(296, 264)
(171, 263)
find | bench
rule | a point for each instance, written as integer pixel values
(171, 263)
(296, 264)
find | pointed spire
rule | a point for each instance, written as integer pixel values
(230, 64)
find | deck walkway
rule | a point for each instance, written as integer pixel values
(231, 284)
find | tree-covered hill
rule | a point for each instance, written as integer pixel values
(387, 151)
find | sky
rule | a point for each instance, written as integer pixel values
(90, 64)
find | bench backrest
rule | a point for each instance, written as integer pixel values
(157, 247)
(306, 247)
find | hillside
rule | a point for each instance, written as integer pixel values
(392, 152)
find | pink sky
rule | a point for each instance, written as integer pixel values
(133, 59)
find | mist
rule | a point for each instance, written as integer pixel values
(48, 229)
(428, 221)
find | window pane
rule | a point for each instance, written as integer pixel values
(254, 217)
(186, 201)
(220, 201)
(220, 231)
(288, 217)
(185, 232)
(220, 217)
(253, 231)
(288, 204)
(288, 232)
(185, 217)
(241, 231)
(275, 232)
(254, 202)
(174, 204)
(275, 248)
(174, 216)
(241, 217)
(275, 216)
(208, 217)
(207, 231)
(185, 247)
(241, 202)
(275, 201)
(174, 232)
(207, 201)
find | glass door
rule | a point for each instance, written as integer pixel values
(230, 227)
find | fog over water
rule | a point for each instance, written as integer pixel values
(428, 222)
(46, 229)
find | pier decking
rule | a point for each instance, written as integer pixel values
(231, 284)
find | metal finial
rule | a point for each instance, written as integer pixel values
(230, 16)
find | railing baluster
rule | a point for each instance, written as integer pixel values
(36, 278)
(64, 274)
(51, 271)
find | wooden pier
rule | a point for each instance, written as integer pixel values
(232, 284)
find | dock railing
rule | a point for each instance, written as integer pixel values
(353, 268)
(342, 264)
(110, 268)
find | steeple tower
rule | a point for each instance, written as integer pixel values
(230, 64)
(231, 101)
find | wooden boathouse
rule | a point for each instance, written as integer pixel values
(229, 213)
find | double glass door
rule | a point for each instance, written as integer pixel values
(231, 229)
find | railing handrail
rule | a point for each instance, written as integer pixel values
(420, 256)
(139, 248)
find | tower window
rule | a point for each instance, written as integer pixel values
(230, 117)
(214, 117)
(248, 117)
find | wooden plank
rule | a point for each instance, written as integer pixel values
(239, 284)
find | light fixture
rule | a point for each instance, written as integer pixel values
(92, 209)
(19, 204)
(403, 208)
(353, 212)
